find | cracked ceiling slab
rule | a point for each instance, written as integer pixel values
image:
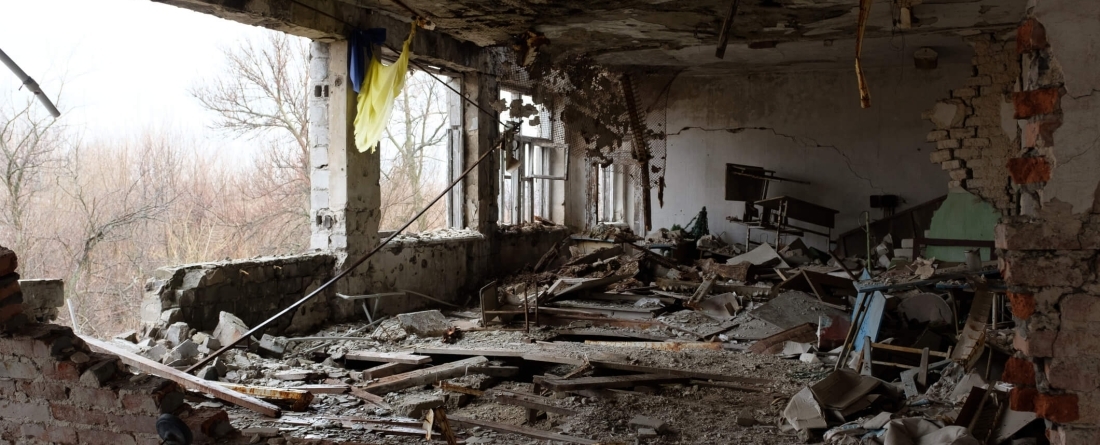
(683, 35)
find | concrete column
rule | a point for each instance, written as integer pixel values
(482, 133)
(322, 218)
(346, 195)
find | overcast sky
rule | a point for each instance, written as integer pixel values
(127, 64)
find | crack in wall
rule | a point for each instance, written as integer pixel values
(801, 140)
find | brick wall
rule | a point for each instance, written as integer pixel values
(975, 133)
(54, 389)
(253, 290)
(1051, 264)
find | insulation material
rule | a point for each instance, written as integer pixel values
(379, 91)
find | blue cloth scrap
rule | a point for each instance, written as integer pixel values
(359, 53)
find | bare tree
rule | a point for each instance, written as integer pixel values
(29, 141)
(413, 153)
(263, 95)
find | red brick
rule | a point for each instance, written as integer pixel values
(63, 371)
(1029, 170)
(1031, 36)
(100, 437)
(94, 397)
(83, 416)
(1023, 305)
(1022, 399)
(1057, 408)
(1036, 344)
(8, 261)
(1019, 371)
(31, 411)
(53, 434)
(1035, 102)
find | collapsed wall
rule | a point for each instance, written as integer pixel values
(54, 389)
(1045, 185)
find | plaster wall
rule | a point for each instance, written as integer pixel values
(806, 126)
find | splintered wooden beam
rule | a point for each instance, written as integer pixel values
(679, 373)
(425, 376)
(294, 399)
(388, 357)
(529, 401)
(724, 36)
(620, 381)
(185, 380)
(388, 369)
(372, 398)
(521, 430)
(658, 345)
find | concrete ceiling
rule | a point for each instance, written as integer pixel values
(679, 34)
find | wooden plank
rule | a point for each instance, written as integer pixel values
(702, 291)
(388, 369)
(620, 381)
(294, 399)
(495, 371)
(679, 372)
(372, 398)
(725, 385)
(589, 332)
(185, 380)
(425, 376)
(324, 389)
(388, 357)
(459, 389)
(521, 430)
(529, 401)
(629, 297)
(490, 352)
(658, 345)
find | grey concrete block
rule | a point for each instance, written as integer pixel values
(177, 332)
(273, 346)
(99, 373)
(230, 328)
(43, 293)
(415, 405)
(424, 324)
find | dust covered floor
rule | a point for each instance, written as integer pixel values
(691, 411)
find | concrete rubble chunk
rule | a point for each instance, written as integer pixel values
(177, 332)
(99, 373)
(229, 329)
(273, 346)
(156, 352)
(414, 405)
(130, 336)
(209, 373)
(647, 433)
(648, 422)
(186, 351)
(424, 324)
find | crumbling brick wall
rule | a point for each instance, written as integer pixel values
(974, 134)
(253, 290)
(1051, 264)
(54, 389)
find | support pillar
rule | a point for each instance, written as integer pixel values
(482, 132)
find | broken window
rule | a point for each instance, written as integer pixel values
(415, 155)
(612, 193)
(533, 164)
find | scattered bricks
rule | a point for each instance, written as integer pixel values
(1022, 399)
(961, 133)
(52, 434)
(975, 142)
(8, 261)
(959, 174)
(953, 164)
(101, 437)
(23, 369)
(73, 414)
(1029, 170)
(99, 373)
(1019, 371)
(1023, 305)
(1031, 36)
(1076, 374)
(1036, 344)
(937, 135)
(1035, 102)
(1058, 408)
(30, 411)
(964, 93)
(947, 144)
(940, 156)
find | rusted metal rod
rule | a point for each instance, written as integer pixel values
(347, 270)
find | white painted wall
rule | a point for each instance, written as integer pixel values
(806, 126)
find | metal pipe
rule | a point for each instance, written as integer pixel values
(31, 85)
(347, 270)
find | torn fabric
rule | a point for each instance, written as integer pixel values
(380, 88)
